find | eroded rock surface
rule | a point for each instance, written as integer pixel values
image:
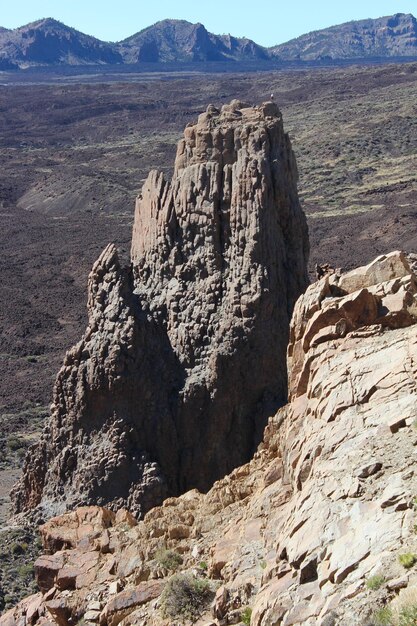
(184, 356)
(326, 503)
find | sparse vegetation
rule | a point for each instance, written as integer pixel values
(375, 582)
(246, 616)
(19, 548)
(402, 611)
(26, 571)
(408, 559)
(383, 617)
(169, 559)
(203, 566)
(185, 596)
(408, 616)
(16, 443)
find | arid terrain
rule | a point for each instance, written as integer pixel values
(74, 156)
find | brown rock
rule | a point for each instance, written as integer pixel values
(296, 532)
(398, 583)
(66, 578)
(127, 601)
(60, 611)
(184, 358)
(33, 608)
(220, 604)
(84, 523)
(46, 570)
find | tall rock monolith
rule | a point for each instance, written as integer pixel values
(184, 356)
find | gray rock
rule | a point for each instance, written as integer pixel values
(184, 357)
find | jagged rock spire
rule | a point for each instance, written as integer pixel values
(184, 357)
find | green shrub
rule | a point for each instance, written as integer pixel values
(185, 597)
(407, 559)
(203, 566)
(18, 547)
(408, 616)
(26, 571)
(383, 617)
(169, 559)
(375, 582)
(14, 443)
(246, 616)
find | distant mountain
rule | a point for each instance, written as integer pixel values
(49, 42)
(392, 36)
(181, 41)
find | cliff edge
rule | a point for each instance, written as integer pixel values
(317, 530)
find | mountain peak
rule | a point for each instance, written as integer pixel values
(172, 40)
(46, 22)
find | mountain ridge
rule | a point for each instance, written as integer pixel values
(49, 42)
(384, 36)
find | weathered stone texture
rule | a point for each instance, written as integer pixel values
(184, 355)
(326, 502)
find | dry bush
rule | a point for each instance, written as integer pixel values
(185, 596)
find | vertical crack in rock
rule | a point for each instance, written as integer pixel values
(184, 356)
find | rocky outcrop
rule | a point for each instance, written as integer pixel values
(297, 534)
(184, 355)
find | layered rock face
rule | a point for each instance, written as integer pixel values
(184, 355)
(296, 534)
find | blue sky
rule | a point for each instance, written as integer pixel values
(268, 22)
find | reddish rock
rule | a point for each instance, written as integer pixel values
(67, 577)
(33, 608)
(82, 524)
(60, 611)
(127, 601)
(46, 570)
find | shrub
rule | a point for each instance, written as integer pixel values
(14, 443)
(407, 559)
(26, 571)
(408, 616)
(185, 597)
(18, 548)
(404, 607)
(375, 582)
(203, 566)
(246, 616)
(169, 559)
(383, 617)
